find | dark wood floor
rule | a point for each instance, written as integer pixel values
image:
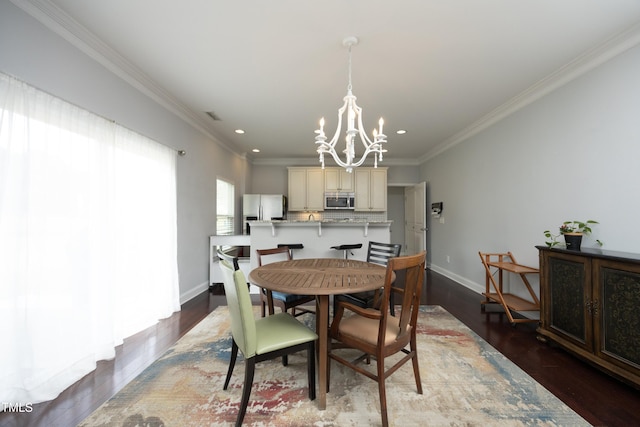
(600, 399)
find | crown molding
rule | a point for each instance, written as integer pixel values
(591, 59)
(79, 36)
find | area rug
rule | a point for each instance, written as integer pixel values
(465, 381)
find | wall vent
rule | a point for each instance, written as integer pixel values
(214, 116)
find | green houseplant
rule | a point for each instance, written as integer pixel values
(572, 232)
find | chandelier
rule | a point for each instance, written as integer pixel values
(354, 117)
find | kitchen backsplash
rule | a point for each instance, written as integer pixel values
(337, 214)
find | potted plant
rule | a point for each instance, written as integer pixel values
(572, 232)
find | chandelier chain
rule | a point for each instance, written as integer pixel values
(349, 87)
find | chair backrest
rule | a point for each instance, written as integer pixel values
(267, 256)
(243, 324)
(233, 260)
(380, 253)
(412, 267)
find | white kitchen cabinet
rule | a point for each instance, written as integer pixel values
(371, 189)
(306, 189)
(338, 180)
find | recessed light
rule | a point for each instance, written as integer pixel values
(401, 132)
(256, 150)
(239, 131)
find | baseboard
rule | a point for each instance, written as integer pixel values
(193, 292)
(475, 287)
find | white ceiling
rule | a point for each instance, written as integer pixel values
(441, 69)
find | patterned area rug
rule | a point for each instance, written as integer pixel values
(466, 382)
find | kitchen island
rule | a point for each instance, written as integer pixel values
(318, 236)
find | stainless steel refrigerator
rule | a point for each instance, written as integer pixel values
(262, 207)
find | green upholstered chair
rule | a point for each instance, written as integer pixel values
(264, 338)
(231, 259)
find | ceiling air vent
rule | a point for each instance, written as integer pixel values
(214, 116)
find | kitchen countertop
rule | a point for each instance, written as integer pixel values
(315, 222)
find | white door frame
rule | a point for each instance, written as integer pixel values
(416, 218)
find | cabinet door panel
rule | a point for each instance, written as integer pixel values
(331, 179)
(315, 189)
(338, 180)
(346, 181)
(378, 190)
(297, 189)
(569, 292)
(306, 189)
(617, 315)
(371, 189)
(363, 184)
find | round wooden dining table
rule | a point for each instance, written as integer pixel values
(321, 277)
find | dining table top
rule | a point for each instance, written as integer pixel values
(319, 276)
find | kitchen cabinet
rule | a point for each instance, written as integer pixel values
(306, 189)
(589, 306)
(338, 180)
(370, 189)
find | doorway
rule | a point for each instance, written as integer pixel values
(415, 224)
(406, 208)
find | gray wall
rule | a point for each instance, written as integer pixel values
(572, 154)
(269, 180)
(33, 53)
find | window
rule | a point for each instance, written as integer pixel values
(88, 240)
(225, 208)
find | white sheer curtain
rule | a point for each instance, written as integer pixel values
(88, 252)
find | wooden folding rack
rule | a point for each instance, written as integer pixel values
(498, 263)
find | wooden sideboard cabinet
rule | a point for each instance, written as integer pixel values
(590, 305)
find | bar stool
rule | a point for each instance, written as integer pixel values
(291, 247)
(347, 248)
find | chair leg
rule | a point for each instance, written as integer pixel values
(392, 304)
(416, 369)
(311, 369)
(383, 393)
(328, 364)
(249, 370)
(232, 363)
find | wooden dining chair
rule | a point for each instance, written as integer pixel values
(283, 300)
(261, 339)
(377, 253)
(377, 333)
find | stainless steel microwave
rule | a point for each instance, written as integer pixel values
(339, 200)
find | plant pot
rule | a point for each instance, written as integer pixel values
(573, 241)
